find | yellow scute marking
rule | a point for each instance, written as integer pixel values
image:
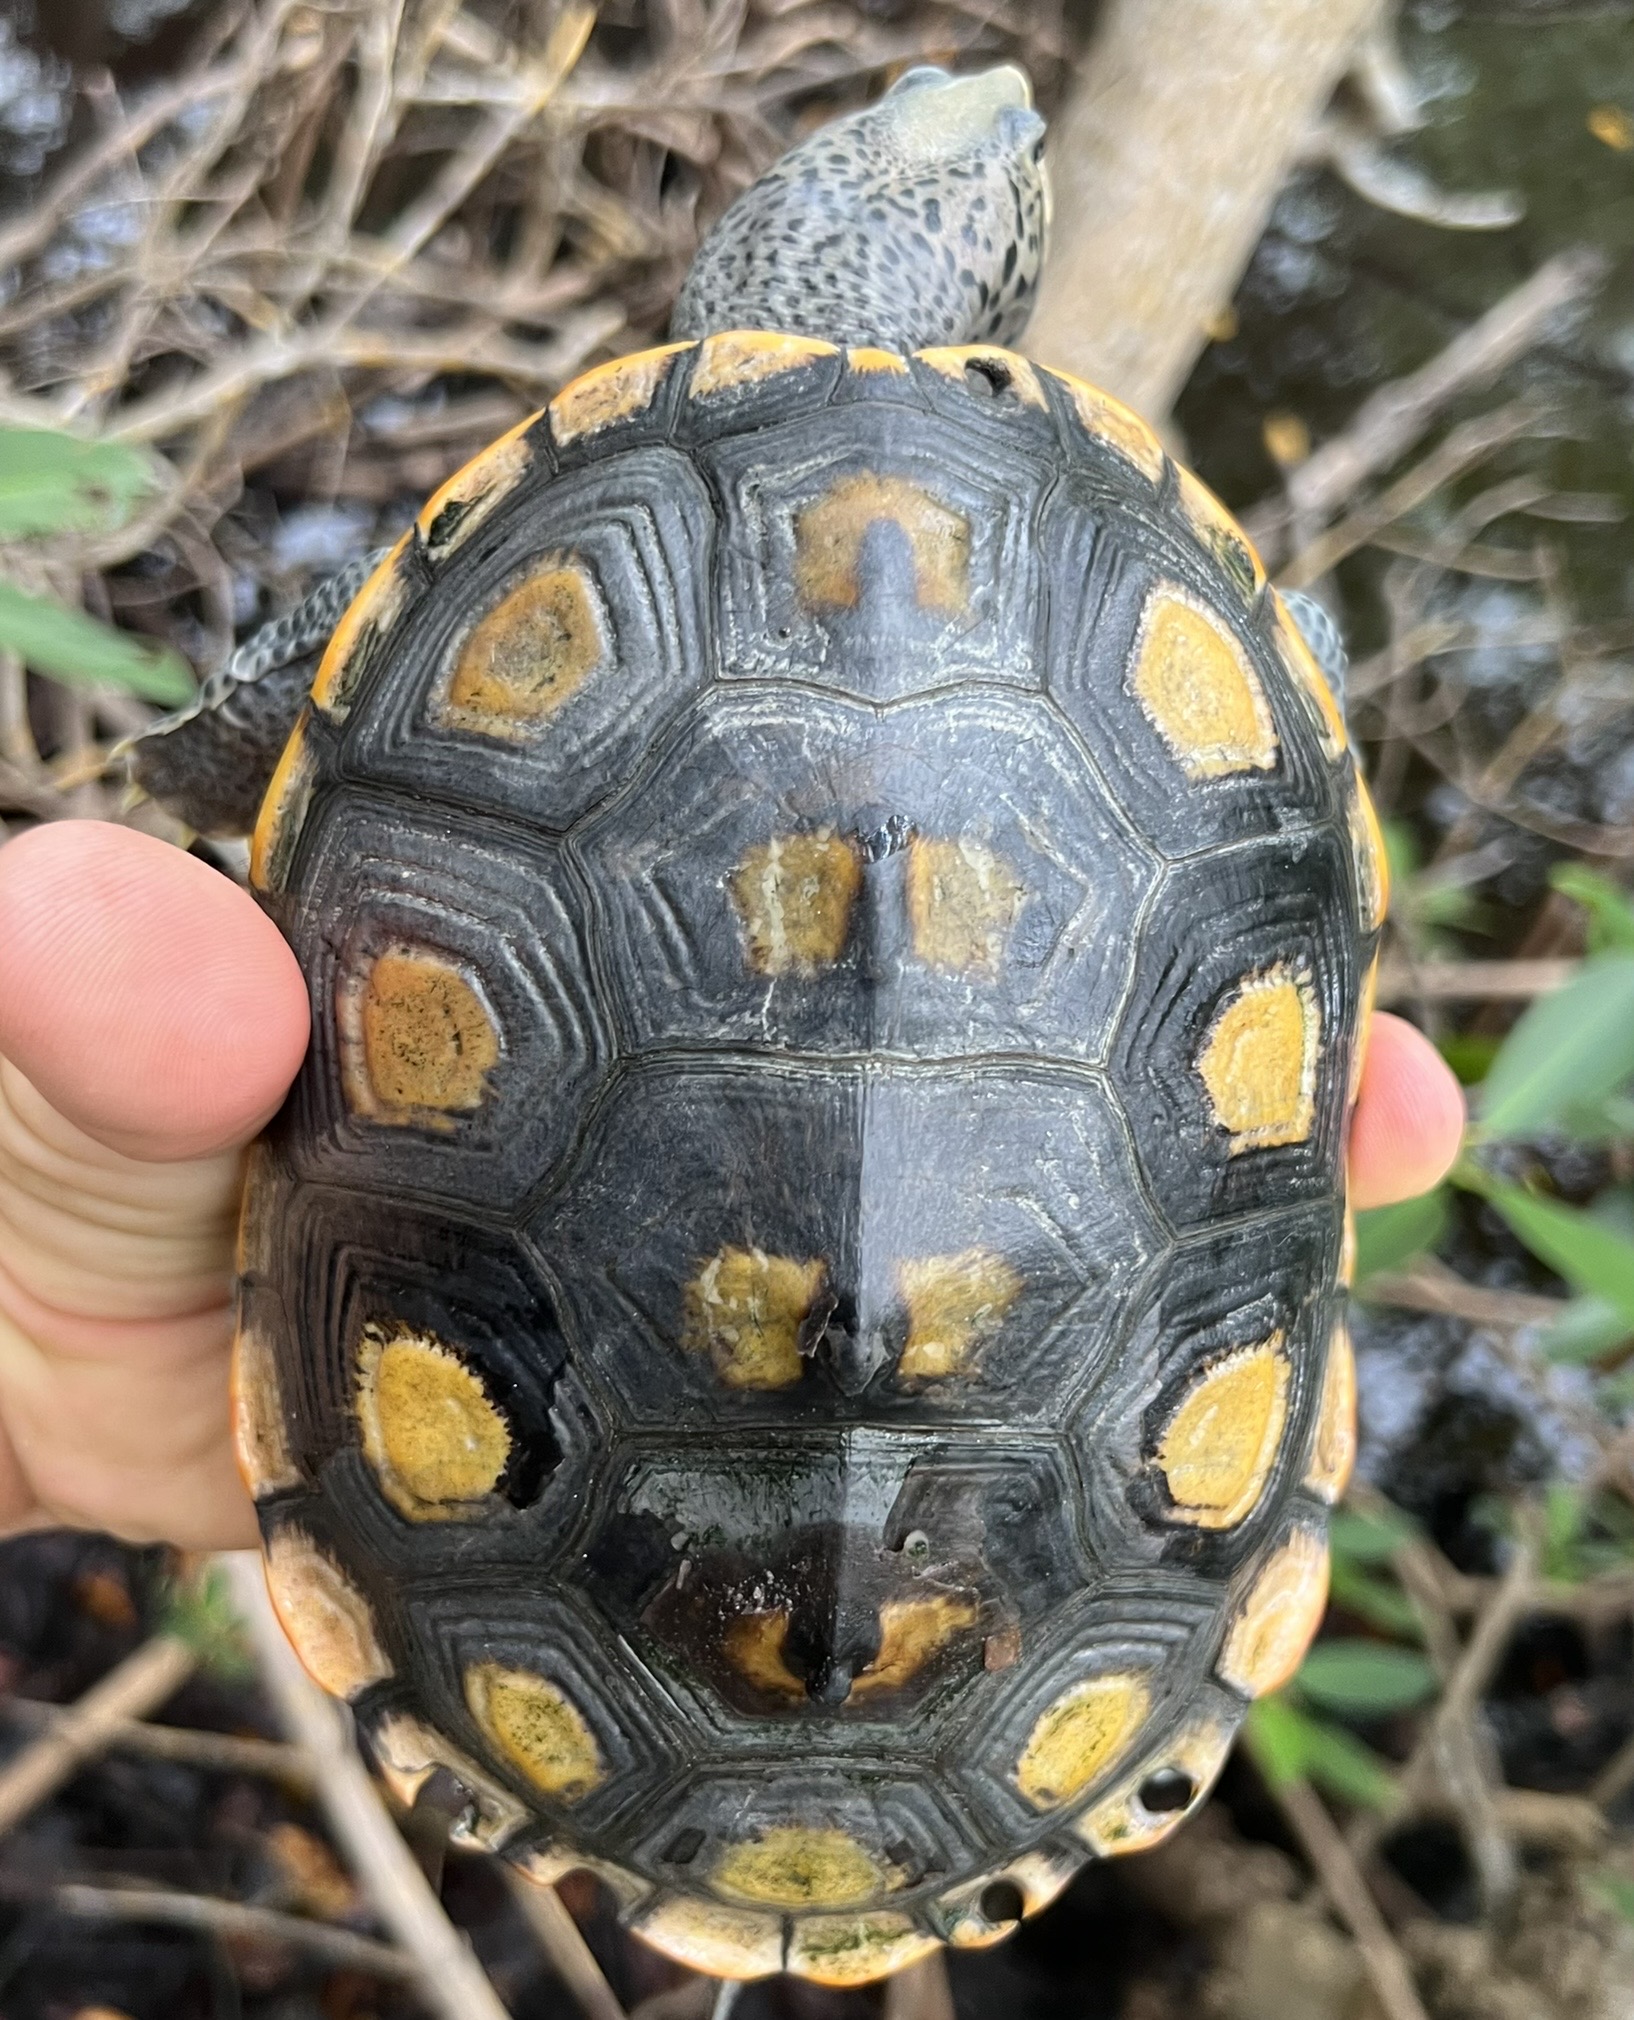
(962, 902)
(743, 357)
(611, 393)
(745, 1309)
(870, 358)
(721, 1942)
(1219, 1446)
(1080, 1736)
(1259, 1061)
(955, 1303)
(800, 1866)
(1334, 1453)
(437, 1444)
(794, 896)
(855, 1950)
(912, 1633)
(328, 1621)
(1373, 860)
(1197, 688)
(1274, 1625)
(376, 604)
(531, 654)
(417, 1040)
(1112, 422)
(537, 1728)
(260, 1431)
(483, 482)
(829, 533)
(754, 1644)
(1121, 1822)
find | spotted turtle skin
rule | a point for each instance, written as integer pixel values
(792, 1324)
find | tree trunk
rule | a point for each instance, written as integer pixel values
(1166, 160)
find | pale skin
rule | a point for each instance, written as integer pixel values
(150, 1020)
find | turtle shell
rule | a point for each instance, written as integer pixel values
(791, 1333)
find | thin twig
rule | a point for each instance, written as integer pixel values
(233, 1919)
(140, 1684)
(1473, 981)
(228, 1753)
(921, 1992)
(562, 1941)
(1347, 1891)
(451, 1980)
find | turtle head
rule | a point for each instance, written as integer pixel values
(919, 220)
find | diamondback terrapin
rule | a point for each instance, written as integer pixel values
(791, 1326)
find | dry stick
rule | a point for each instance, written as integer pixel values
(230, 1753)
(921, 1992)
(451, 1980)
(1441, 1291)
(1474, 981)
(230, 1918)
(1387, 425)
(563, 1943)
(140, 1684)
(1615, 1777)
(1348, 1893)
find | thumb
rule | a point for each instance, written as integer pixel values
(144, 996)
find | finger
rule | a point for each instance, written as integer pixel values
(145, 996)
(1409, 1118)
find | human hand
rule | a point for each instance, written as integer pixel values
(151, 1018)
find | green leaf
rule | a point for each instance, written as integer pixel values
(1364, 1679)
(1371, 1538)
(1373, 1599)
(1388, 1236)
(1611, 912)
(51, 483)
(74, 647)
(1595, 1260)
(1470, 1055)
(1287, 1745)
(200, 1611)
(1570, 1050)
(1587, 1330)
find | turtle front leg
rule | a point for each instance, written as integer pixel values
(209, 764)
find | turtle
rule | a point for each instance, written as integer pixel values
(791, 1346)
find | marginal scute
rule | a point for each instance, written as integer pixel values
(1041, 1875)
(454, 512)
(528, 656)
(1199, 690)
(278, 825)
(721, 1942)
(1372, 859)
(1218, 1448)
(954, 361)
(800, 1866)
(1347, 1250)
(1333, 1455)
(745, 1309)
(869, 358)
(1301, 664)
(611, 393)
(1278, 1617)
(417, 1039)
(330, 1624)
(1121, 1822)
(745, 357)
(1364, 1031)
(1109, 421)
(1219, 532)
(1259, 1060)
(912, 1634)
(829, 535)
(754, 1645)
(436, 1442)
(537, 1728)
(1077, 1738)
(793, 896)
(375, 608)
(409, 1752)
(954, 1304)
(855, 1949)
(260, 1429)
(962, 901)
